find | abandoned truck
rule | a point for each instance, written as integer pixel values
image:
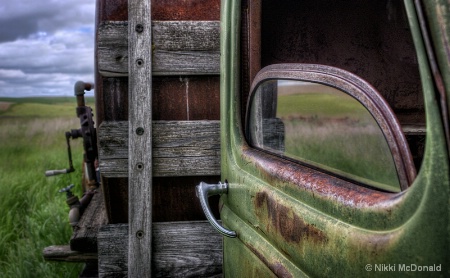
(323, 126)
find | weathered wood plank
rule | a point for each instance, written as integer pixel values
(179, 48)
(180, 249)
(84, 237)
(414, 129)
(112, 49)
(140, 138)
(186, 35)
(180, 148)
(63, 253)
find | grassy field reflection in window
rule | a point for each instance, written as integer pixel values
(327, 128)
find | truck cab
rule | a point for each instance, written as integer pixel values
(271, 138)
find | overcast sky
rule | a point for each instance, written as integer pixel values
(45, 46)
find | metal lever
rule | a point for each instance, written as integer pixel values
(203, 191)
(67, 190)
(50, 173)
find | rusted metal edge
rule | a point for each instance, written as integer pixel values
(360, 90)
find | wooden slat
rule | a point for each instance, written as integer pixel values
(63, 253)
(414, 129)
(84, 237)
(180, 249)
(179, 48)
(180, 148)
(140, 138)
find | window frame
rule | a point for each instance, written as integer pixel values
(357, 88)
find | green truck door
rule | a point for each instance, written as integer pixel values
(321, 210)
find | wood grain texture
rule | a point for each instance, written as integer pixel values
(179, 48)
(140, 138)
(180, 148)
(113, 148)
(180, 249)
(84, 237)
(113, 101)
(166, 205)
(63, 253)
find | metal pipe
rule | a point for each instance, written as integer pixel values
(79, 89)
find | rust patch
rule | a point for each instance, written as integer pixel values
(114, 10)
(286, 222)
(320, 184)
(186, 10)
(276, 267)
(117, 10)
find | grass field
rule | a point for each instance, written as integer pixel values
(335, 132)
(34, 215)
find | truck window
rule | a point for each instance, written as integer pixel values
(330, 120)
(322, 127)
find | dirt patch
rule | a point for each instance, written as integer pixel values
(5, 105)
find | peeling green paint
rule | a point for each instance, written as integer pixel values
(291, 226)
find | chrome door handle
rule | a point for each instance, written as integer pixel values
(203, 191)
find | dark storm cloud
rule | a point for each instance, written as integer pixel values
(22, 18)
(45, 46)
(10, 30)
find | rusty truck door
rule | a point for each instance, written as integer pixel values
(293, 212)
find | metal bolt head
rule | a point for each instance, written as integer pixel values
(139, 131)
(139, 28)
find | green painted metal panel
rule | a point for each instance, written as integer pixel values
(300, 225)
(438, 15)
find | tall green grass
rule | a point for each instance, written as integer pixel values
(356, 152)
(335, 132)
(33, 215)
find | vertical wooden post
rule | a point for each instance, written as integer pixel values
(140, 138)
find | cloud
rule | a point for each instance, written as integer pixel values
(45, 46)
(22, 18)
(11, 74)
(55, 84)
(65, 52)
